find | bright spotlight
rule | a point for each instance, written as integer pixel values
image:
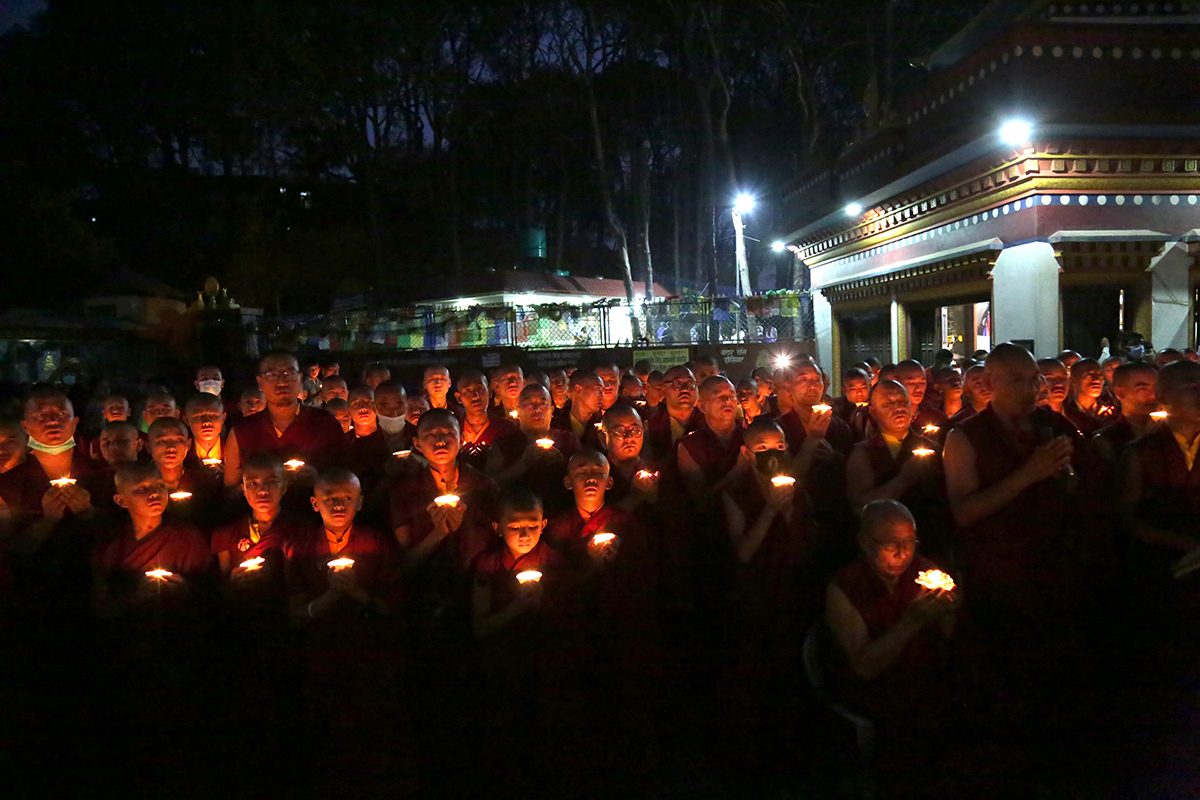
(744, 204)
(778, 247)
(853, 209)
(783, 361)
(1016, 132)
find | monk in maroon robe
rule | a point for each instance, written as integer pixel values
(851, 407)
(285, 428)
(147, 561)
(195, 490)
(904, 661)
(678, 416)
(480, 428)
(635, 479)
(583, 420)
(898, 464)
(439, 389)
(808, 416)
(1056, 384)
(532, 454)
(533, 657)
(339, 409)
(928, 419)
(617, 592)
(205, 417)
(708, 457)
(1134, 391)
(51, 499)
(262, 532)
(1009, 478)
(975, 396)
(1083, 406)
(12, 445)
(342, 584)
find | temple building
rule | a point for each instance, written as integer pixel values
(1042, 188)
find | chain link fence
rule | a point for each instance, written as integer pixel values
(779, 317)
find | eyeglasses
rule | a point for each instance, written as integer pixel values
(280, 375)
(632, 432)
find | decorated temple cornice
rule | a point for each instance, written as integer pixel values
(1052, 168)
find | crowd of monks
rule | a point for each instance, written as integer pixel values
(577, 582)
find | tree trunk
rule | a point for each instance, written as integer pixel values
(644, 199)
(560, 223)
(676, 256)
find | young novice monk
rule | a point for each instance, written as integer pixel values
(531, 658)
(260, 533)
(319, 591)
(517, 458)
(143, 542)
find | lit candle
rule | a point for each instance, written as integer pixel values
(180, 495)
(601, 539)
(931, 428)
(514, 413)
(252, 564)
(923, 451)
(1159, 415)
(545, 444)
(821, 408)
(62, 482)
(159, 574)
(293, 464)
(212, 462)
(599, 425)
(935, 579)
(645, 473)
(446, 500)
(402, 453)
(339, 564)
(529, 576)
(783, 480)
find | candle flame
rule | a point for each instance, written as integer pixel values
(931, 428)
(923, 451)
(822, 408)
(252, 564)
(446, 500)
(212, 462)
(62, 482)
(529, 576)
(935, 579)
(294, 463)
(159, 574)
(180, 495)
(783, 480)
(603, 538)
(545, 444)
(645, 473)
(339, 564)
(514, 413)
(402, 453)
(1159, 415)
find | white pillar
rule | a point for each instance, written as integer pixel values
(1025, 303)
(1170, 297)
(823, 330)
(899, 325)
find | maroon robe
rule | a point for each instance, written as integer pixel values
(545, 477)
(314, 437)
(205, 508)
(930, 415)
(858, 418)
(307, 555)
(1088, 422)
(122, 561)
(838, 434)
(23, 486)
(409, 507)
(959, 417)
(234, 539)
(1016, 559)
(1170, 497)
(715, 458)
(1119, 435)
(658, 445)
(368, 457)
(476, 453)
(927, 499)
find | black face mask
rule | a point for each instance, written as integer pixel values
(771, 462)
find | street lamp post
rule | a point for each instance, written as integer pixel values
(744, 204)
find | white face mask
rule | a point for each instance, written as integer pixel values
(211, 387)
(391, 424)
(51, 450)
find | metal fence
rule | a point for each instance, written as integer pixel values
(783, 317)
